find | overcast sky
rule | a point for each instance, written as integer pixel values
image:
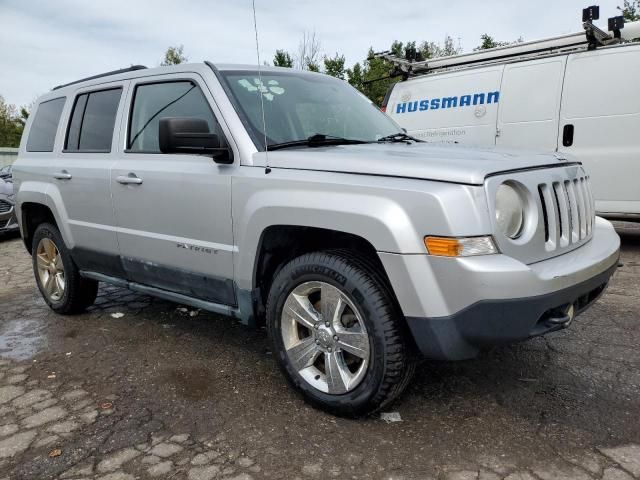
(44, 43)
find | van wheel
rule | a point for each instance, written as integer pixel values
(58, 278)
(338, 334)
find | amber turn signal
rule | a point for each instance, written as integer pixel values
(460, 247)
(444, 247)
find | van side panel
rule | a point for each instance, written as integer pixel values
(602, 103)
(530, 105)
(460, 107)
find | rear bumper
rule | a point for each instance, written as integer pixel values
(498, 322)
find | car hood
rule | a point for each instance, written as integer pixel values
(416, 160)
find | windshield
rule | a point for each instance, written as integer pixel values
(300, 105)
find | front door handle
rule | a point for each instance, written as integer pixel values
(63, 175)
(131, 179)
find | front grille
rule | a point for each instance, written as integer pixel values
(568, 212)
(5, 206)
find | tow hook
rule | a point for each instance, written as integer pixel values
(562, 316)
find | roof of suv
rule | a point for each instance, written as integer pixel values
(141, 70)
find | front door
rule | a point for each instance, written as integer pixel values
(173, 210)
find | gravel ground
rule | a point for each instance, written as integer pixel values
(164, 391)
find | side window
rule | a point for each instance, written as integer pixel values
(42, 134)
(154, 101)
(92, 121)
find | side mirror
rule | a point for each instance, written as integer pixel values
(190, 135)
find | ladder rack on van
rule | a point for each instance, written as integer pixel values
(591, 38)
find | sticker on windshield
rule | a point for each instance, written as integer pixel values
(268, 91)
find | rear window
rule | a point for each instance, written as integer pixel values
(92, 121)
(42, 134)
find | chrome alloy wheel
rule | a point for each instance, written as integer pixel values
(325, 337)
(50, 269)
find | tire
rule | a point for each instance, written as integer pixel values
(380, 371)
(76, 293)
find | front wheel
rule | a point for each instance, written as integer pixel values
(337, 332)
(58, 278)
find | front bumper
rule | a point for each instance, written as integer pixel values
(8, 221)
(455, 307)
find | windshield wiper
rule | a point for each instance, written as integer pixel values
(399, 137)
(317, 140)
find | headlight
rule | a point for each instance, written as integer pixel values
(509, 210)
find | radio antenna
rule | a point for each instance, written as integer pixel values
(267, 169)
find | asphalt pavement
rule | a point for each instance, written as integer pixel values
(142, 388)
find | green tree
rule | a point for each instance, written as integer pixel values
(412, 53)
(630, 10)
(487, 42)
(429, 50)
(174, 56)
(282, 59)
(397, 48)
(377, 78)
(11, 124)
(334, 66)
(355, 76)
(24, 114)
(379, 75)
(449, 48)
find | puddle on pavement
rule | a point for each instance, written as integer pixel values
(22, 339)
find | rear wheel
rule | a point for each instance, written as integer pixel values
(338, 334)
(58, 278)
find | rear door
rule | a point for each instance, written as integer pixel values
(81, 176)
(460, 107)
(173, 210)
(530, 104)
(600, 121)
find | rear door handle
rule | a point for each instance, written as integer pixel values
(131, 179)
(63, 175)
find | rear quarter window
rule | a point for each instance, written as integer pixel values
(42, 134)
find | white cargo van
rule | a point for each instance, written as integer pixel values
(565, 94)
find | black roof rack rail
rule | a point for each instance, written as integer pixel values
(132, 68)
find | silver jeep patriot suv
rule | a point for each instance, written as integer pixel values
(287, 197)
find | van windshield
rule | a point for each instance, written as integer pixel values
(298, 106)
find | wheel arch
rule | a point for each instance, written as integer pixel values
(279, 244)
(33, 214)
(36, 202)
